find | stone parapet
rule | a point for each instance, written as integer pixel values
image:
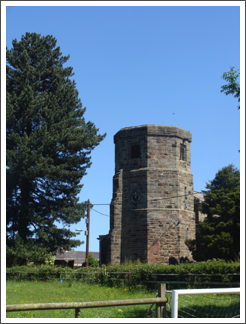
(152, 130)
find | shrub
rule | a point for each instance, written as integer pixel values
(137, 275)
(92, 261)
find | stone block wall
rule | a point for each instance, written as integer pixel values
(154, 162)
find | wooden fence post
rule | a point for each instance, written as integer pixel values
(161, 308)
(77, 313)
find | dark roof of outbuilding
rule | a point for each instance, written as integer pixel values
(78, 256)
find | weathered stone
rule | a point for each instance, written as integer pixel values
(154, 162)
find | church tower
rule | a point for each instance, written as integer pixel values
(152, 208)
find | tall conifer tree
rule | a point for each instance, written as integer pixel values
(218, 235)
(48, 143)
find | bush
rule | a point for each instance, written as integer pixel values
(137, 274)
(92, 261)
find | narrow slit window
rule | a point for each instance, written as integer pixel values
(182, 152)
(135, 152)
(187, 234)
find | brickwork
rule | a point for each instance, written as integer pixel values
(152, 209)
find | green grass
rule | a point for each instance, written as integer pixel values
(28, 292)
(209, 306)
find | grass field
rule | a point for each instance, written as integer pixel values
(30, 292)
(209, 306)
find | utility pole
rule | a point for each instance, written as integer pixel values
(88, 233)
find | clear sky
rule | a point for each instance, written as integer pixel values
(137, 65)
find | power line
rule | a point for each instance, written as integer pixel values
(99, 204)
(177, 221)
(191, 194)
(171, 197)
(99, 212)
(185, 195)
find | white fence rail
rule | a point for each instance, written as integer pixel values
(176, 293)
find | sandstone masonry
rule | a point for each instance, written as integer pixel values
(152, 209)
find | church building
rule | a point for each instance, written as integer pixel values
(153, 208)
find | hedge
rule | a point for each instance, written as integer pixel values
(136, 274)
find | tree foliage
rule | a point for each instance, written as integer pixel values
(218, 235)
(92, 261)
(232, 87)
(48, 143)
(21, 254)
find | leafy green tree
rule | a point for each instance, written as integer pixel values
(92, 261)
(232, 87)
(218, 235)
(48, 143)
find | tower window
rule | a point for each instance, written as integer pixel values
(182, 152)
(187, 234)
(135, 152)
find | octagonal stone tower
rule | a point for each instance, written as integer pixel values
(152, 209)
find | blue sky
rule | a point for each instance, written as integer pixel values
(137, 65)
